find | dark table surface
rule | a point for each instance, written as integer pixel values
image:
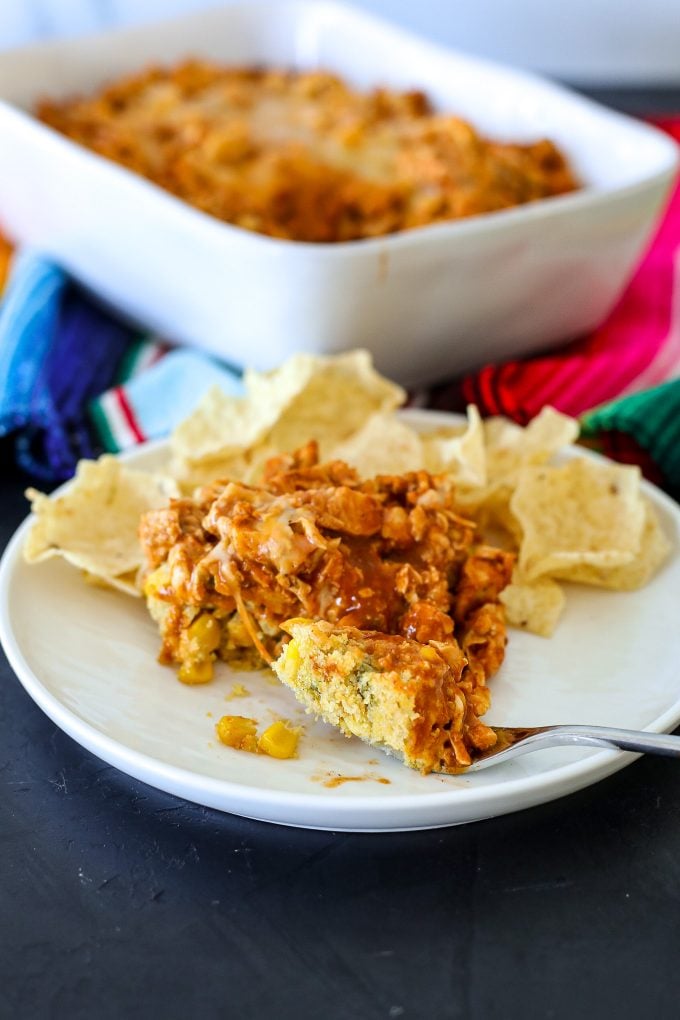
(119, 901)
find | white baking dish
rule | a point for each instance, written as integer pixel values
(429, 302)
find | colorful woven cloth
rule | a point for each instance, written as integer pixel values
(151, 404)
(75, 381)
(56, 352)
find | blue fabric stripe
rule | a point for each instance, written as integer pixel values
(58, 350)
(79, 366)
(28, 318)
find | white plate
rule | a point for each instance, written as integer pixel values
(471, 291)
(88, 658)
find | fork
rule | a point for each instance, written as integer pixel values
(513, 741)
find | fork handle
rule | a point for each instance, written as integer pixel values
(606, 736)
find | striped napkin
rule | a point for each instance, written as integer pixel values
(75, 381)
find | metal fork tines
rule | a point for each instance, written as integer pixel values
(513, 741)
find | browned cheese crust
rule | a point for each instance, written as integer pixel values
(301, 155)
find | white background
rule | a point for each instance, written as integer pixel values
(599, 42)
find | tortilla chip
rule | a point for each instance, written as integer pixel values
(191, 476)
(508, 449)
(94, 523)
(384, 446)
(220, 428)
(309, 397)
(460, 453)
(501, 433)
(654, 550)
(583, 512)
(333, 398)
(547, 433)
(535, 606)
(490, 508)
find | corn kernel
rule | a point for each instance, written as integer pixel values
(204, 633)
(196, 672)
(279, 740)
(291, 662)
(430, 654)
(237, 731)
(155, 581)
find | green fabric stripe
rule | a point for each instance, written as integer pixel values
(652, 418)
(102, 427)
(126, 365)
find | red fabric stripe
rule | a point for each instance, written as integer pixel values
(160, 352)
(529, 382)
(470, 394)
(487, 390)
(568, 387)
(128, 414)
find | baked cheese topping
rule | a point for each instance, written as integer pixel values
(303, 155)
